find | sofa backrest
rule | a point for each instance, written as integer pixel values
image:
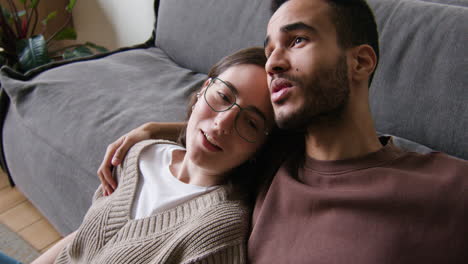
(420, 87)
(197, 33)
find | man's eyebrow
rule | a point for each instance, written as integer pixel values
(292, 27)
(297, 26)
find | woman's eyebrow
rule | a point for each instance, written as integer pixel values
(250, 107)
(232, 87)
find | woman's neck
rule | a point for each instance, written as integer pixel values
(188, 172)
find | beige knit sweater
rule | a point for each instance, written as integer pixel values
(208, 229)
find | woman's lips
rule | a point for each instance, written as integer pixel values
(209, 143)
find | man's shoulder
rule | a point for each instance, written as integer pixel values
(438, 161)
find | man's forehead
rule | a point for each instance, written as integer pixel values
(306, 11)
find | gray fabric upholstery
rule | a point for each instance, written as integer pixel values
(419, 91)
(62, 120)
(463, 3)
(197, 33)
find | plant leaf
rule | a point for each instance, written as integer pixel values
(34, 4)
(80, 51)
(21, 13)
(96, 47)
(6, 13)
(70, 5)
(66, 33)
(23, 1)
(32, 52)
(49, 17)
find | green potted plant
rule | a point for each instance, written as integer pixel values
(23, 49)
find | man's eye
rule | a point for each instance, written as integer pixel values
(299, 40)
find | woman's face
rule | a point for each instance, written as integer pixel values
(220, 141)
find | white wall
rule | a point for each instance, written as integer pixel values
(114, 23)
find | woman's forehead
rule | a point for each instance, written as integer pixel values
(251, 85)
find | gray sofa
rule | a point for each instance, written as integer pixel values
(58, 119)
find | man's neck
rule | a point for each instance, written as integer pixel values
(351, 137)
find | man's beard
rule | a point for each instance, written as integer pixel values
(325, 98)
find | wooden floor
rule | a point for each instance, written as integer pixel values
(19, 215)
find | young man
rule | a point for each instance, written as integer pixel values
(357, 198)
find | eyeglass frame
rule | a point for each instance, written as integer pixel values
(212, 80)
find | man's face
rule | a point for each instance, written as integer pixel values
(307, 70)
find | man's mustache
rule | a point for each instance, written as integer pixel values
(296, 81)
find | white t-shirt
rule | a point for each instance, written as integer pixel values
(158, 190)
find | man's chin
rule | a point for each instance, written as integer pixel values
(291, 121)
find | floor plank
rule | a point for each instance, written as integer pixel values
(40, 234)
(9, 198)
(20, 216)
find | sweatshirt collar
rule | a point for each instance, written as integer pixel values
(385, 154)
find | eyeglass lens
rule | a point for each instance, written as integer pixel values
(249, 124)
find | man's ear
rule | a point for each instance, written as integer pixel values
(364, 61)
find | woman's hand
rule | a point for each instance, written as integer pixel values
(116, 151)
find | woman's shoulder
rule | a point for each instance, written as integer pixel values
(160, 142)
(227, 206)
(136, 149)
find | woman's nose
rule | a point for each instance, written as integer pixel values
(225, 121)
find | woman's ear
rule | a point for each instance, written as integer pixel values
(206, 83)
(364, 61)
(204, 86)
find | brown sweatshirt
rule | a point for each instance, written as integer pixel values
(390, 206)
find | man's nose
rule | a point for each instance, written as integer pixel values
(277, 62)
(224, 121)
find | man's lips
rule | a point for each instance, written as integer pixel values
(280, 89)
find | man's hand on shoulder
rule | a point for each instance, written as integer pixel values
(116, 151)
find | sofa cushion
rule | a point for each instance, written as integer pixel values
(197, 33)
(419, 90)
(62, 119)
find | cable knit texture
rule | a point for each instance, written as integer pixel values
(208, 229)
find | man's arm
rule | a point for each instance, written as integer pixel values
(117, 150)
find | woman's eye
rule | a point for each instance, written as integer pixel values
(224, 97)
(252, 124)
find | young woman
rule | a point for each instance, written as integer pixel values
(183, 203)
